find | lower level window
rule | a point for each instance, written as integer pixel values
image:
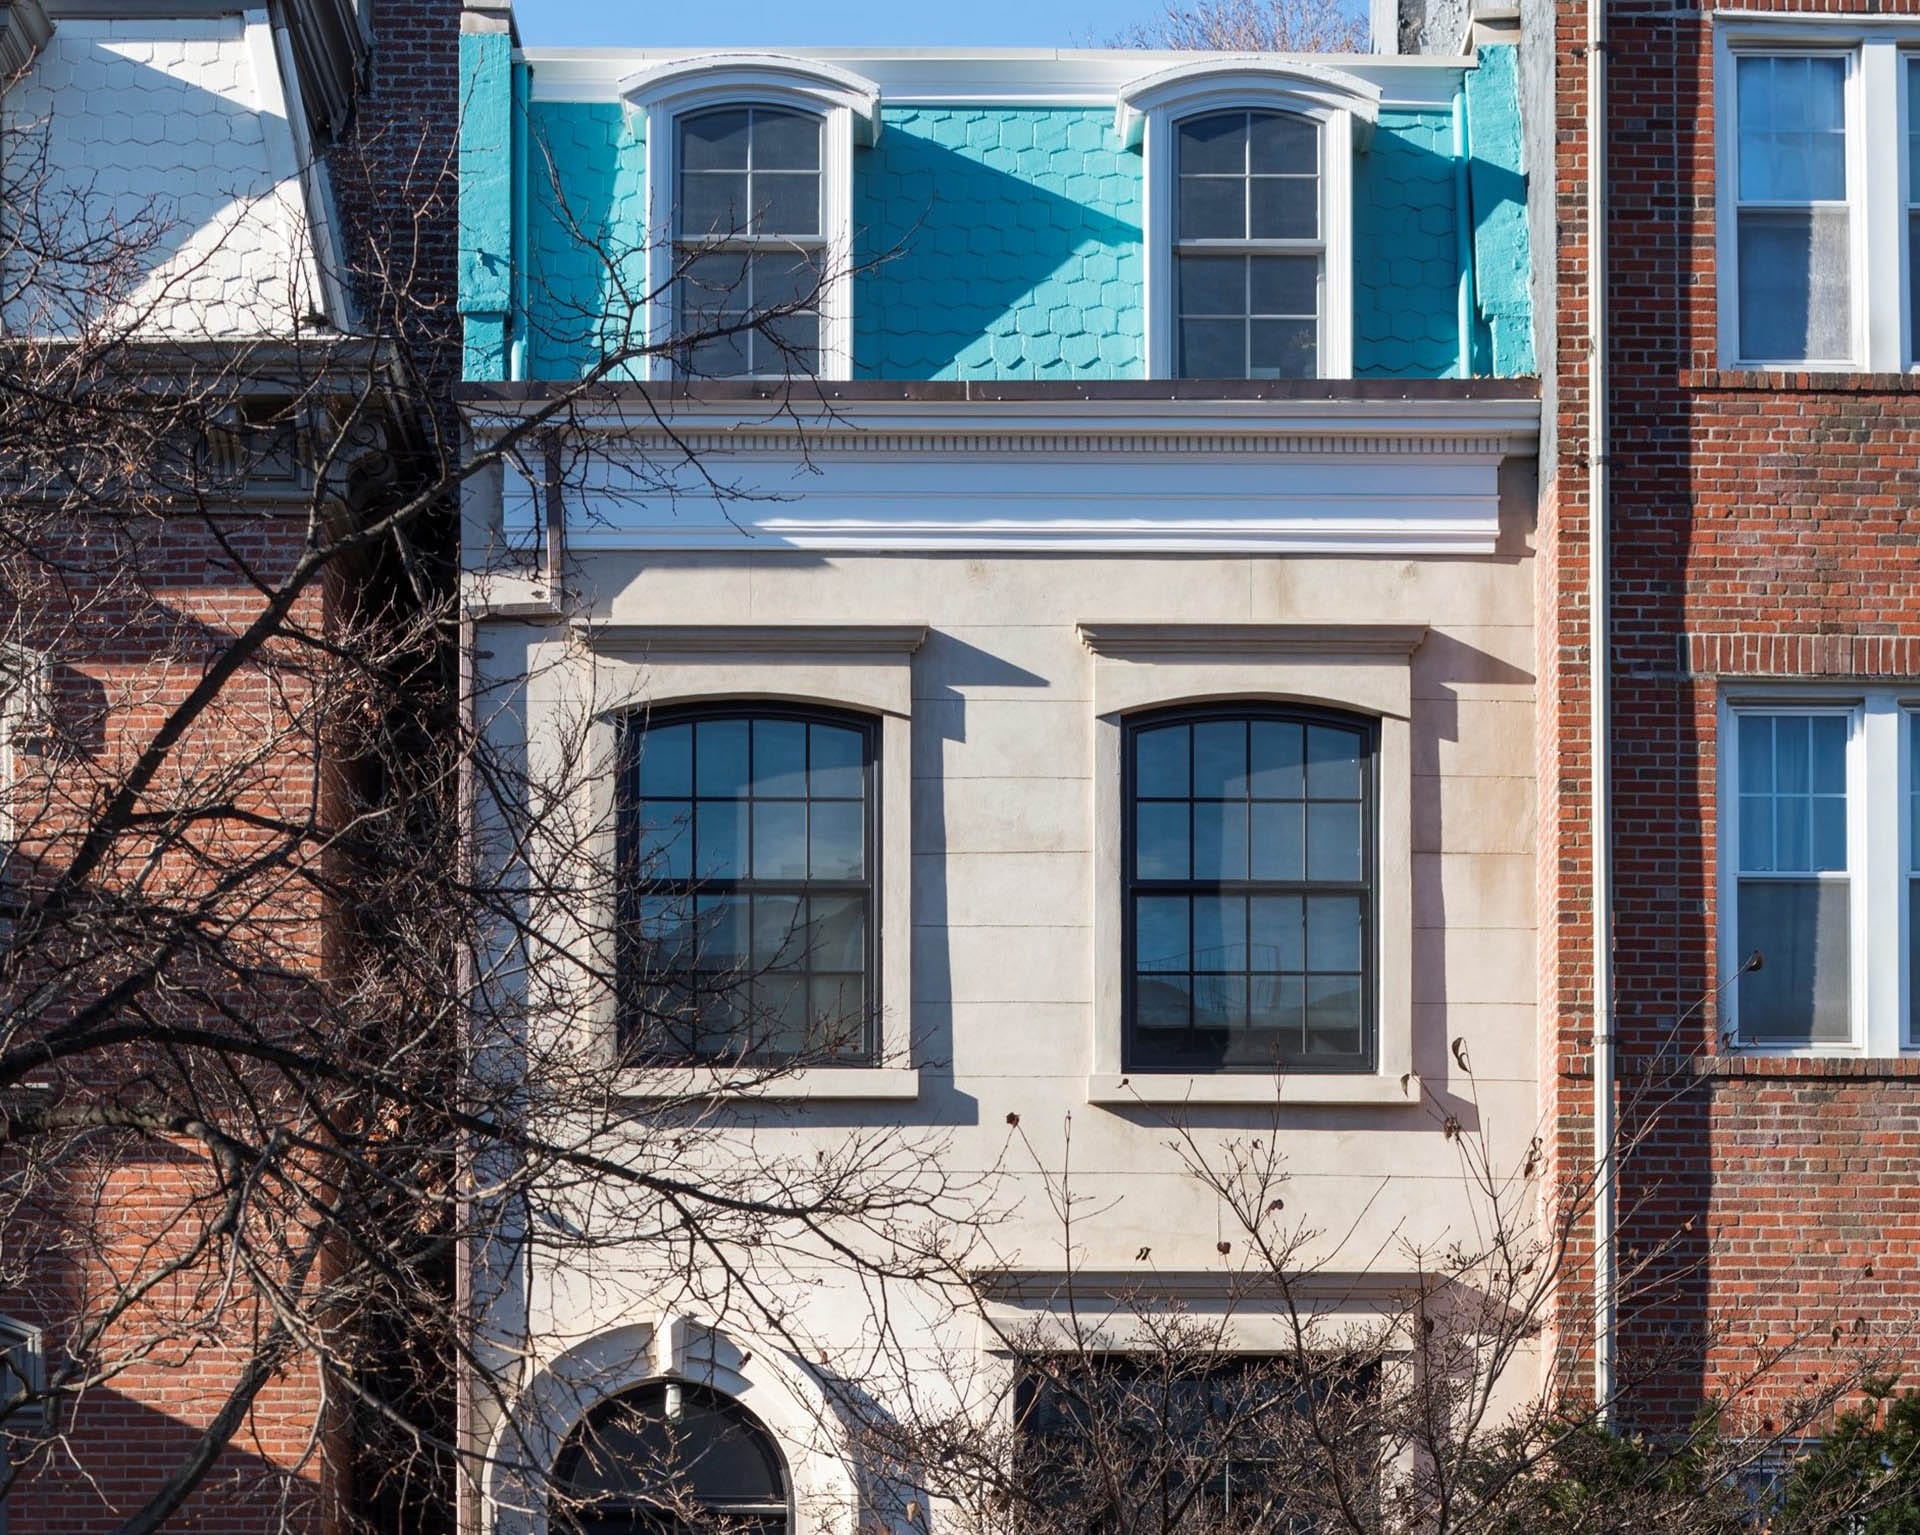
(1820, 853)
(669, 1459)
(1193, 1441)
(746, 865)
(1250, 901)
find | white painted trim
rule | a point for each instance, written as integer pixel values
(325, 259)
(1316, 479)
(995, 76)
(1877, 773)
(686, 93)
(1199, 83)
(1194, 95)
(1876, 182)
(708, 77)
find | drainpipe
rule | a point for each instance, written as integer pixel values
(1599, 692)
(1463, 225)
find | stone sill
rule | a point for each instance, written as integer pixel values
(1797, 381)
(1174, 1089)
(739, 1085)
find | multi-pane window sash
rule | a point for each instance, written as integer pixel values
(1793, 223)
(750, 242)
(670, 1458)
(747, 872)
(1243, 1442)
(1819, 853)
(1794, 892)
(1249, 246)
(1249, 859)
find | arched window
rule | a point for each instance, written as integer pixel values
(666, 1459)
(1249, 858)
(747, 867)
(1249, 246)
(750, 241)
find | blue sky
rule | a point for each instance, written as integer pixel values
(767, 23)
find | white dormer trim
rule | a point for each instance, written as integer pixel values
(1346, 108)
(1290, 85)
(763, 78)
(849, 104)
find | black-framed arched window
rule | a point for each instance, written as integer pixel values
(670, 1459)
(1249, 859)
(748, 870)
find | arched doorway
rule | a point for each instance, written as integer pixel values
(670, 1459)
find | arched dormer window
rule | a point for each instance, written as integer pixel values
(670, 1459)
(750, 168)
(1249, 256)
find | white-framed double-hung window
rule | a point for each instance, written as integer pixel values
(1793, 220)
(1818, 193)
(1818, 868)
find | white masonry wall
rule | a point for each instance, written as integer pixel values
(168, 146)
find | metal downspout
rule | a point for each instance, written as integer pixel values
(1463, 225)
(1599, 647)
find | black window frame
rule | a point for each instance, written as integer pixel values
(1368, 887)
(633, 728)
(618, 1515)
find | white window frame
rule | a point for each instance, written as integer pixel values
(1343, 106)
(1876, 183)
(1879, 773)
(850, 109)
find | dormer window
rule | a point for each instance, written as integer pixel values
(750, 169)
(1249, 252)
(750, 243)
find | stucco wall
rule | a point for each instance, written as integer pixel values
(1006, 855)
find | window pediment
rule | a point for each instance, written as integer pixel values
(773, 78)
(1245, 81)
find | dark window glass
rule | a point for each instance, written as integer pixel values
(1250, 909)
(669, 1459)
(1177, 1441)
(750, 242)
(1248, 254)
(748, 878)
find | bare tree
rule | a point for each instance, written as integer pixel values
(1252, 26)
(282, 1105)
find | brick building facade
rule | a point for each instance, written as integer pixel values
(294, 172)
(1760, 476)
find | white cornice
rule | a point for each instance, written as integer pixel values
(1364, 476)
(1141, 424)
(995, 77)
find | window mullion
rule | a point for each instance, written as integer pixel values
(1879, 198)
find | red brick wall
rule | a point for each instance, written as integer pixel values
(287, 1470)
(1762, 526)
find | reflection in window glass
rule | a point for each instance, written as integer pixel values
(1793, 901)
(747, 886)
(1248, 251)
(1250, 893)
(1793, 228)
(750, 242)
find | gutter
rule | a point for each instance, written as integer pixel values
(1599, 648)
(1463, 230)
